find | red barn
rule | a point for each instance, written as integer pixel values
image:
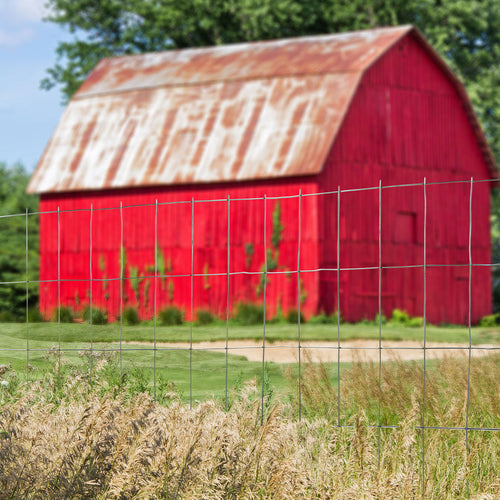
(250, 126)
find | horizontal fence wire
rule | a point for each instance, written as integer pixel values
(158, 275)
(493, 182)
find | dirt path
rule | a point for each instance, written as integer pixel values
(353, 350)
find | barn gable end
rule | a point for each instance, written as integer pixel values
(408, 121)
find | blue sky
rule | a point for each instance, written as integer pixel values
(28, 115)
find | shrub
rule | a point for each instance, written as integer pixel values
(204, 317)
(320, 319)
(131, 316)
(382, 318)
(489, 321)
(99, 316)
(415, 322)
(63, 314)
(400, 317)
(171, 316)
(292, 316)
(6, 317)
(34, 315)
(249, 314)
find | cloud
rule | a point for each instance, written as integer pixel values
(20, 11)
(18, 20)
(15, 38)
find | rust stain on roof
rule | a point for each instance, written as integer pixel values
(237, 112)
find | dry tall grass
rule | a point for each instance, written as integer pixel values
(90, 446)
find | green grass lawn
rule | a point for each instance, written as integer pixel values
(173, 365)
(80, 333)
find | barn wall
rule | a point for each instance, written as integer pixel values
(405, 123)
(247, 252)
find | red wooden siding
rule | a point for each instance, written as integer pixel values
(174, 248)
(407, 122)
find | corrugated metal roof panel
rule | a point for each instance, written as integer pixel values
(247, 61)
(240, 130)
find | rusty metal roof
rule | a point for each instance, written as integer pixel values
(238, 112)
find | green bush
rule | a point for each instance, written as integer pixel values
(171, 316)
(99, 316)
(131, 316)
(63, 314)
(7, 317)
(415, 322)
(490, 321)
(292, 316)
(249, 314)
(204, 317)
(321, 319)
(400, 317)
(380, 319)
(34, 315)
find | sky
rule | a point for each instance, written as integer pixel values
(28, 115)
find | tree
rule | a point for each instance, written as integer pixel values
(13, 204)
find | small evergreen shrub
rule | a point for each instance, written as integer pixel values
(170, 316)
(99, 316)
(65, 315)
(249, 314)
(292, 316)
(204, 317)
(131, 316)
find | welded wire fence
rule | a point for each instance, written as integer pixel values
(417, 226)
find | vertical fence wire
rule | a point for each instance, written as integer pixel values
(264, 314)
(91, 282)
(59, 295)
(379, 314)
(27, 305)
(299, 293)
(154, 298)
(121, 294)
(338, 307)
(191, 325)
(425, 335)
(470, 339)
(227, 287)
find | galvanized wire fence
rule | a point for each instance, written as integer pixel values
(123, 348)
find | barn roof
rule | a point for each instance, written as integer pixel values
(238, 112)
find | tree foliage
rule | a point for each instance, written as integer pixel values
(13, 203)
